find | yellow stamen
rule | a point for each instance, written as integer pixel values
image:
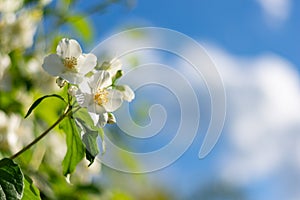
(70, 63)
(101, 97)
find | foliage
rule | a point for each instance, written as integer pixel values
(31, 192)
(25, 39)
(75, 151)
(11, 182)
(56, 146)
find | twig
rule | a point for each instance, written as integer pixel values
(67, 111)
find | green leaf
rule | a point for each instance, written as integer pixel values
(67, 2)
(30, 191)
(9, 103)
(84, 118)
(11, 181)
(82, 26)
(75, 147)
(89, 138)
(92, 150)
(39, 100)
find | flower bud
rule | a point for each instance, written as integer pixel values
(111, 119)
(60, 82)
(72, 90)
(119, 74)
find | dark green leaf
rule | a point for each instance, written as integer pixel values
(84, 118)
(11, 181)
(89, 138)
(39, 100)
(75, 147)
(9, 103)
(30, 191)
(89, 188)
(30, 1)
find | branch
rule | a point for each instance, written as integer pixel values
(67, 111)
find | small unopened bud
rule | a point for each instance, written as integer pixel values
(111, 118)
(72, 90)
(119, 74)
(60, 82)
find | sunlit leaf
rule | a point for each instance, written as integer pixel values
(39, 100)
(75, 147)
(117, 195)
(82, 26)
(30, 191)
(67, 2)
(55, 42)
(84, 116)
(11, 180)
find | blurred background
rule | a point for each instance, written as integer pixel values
(254, 44)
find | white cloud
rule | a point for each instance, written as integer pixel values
(276, 10)
(263, 120)
(263, 117)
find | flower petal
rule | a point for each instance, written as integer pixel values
(68, 48)
(86, 63)
(84, 86)
(83, 99)
(100, 79)
(94, 117)
(103, 119)
(95, 108)
(115, 65)
(114, 100)
(128, 94)
(53, 65)
(71, 77)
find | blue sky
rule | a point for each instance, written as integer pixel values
(255, 44)
(242, 27)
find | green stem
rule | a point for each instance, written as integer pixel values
(66, 112)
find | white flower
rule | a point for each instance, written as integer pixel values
(98, 97)
(8, 6)
(18, 30)
(69, 62)
(112, 67)
(127, 92)
(26, 25)
(115, 66)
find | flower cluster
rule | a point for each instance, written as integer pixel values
(93, 87)
(18, 25)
